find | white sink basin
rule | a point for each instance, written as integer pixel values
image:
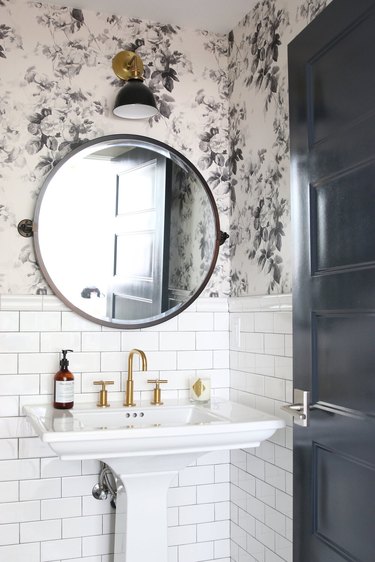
(146, 446)
(87, 432)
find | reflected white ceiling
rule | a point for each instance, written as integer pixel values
(219, 16)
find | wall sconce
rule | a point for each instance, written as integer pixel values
(135, 100)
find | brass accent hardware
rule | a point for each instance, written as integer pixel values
(103, 394)
(127, 65)
(129, 396)
(199, 387)
(157, 391)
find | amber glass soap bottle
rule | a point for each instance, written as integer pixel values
(63, 398)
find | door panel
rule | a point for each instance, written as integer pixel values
(332, 118)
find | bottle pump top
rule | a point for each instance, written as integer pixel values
(64, 362)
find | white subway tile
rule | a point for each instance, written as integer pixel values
(255, 466)
(284, 548)
(284, 503)
(194, 321)
(147, 341)
(275, 476)
(213, 531)
(113, 361)
(9, 492)
(222, 548)
(222, 510)
(56, 467)
(19, 384)
(213, 493)
(274, 388)
(265, 535)
(194, 475)
(212, 340)
(283, 323)
(91, 506)
(34, 447)
(161, 360)
(22, 552)
(20, 511)
(101, 341)
(85, 362)
(197, 552)
(221, 361)
(170, 325)
(255, 507)
(9, 534)
(18, 342)
(265, 493)
(182, 496)
(8, 363)
(221, 321)
(238, 535)
(253, 342)
(222, 473)
(274, 344)
(215, 457)
(38, 362)
(19, 469)
(256, 548)
(40, 321)
(194, 360)
(275, 520)
(177, 341)
(55, 341)
(8, 449)
(45, 488)
(40, 531)
(284, 458)
(101, 544)
(246, 522)
(60, 549)
(78, 485)
(196, 514)
(82, 526)
(60, 508)
(263, 322)
(9, 321)
(288, 346)
(264, 365)
(238, 496)
(184, 534)
(284, 367)
(71, 322)
(9, 405)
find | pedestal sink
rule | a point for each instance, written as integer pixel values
(146, 446)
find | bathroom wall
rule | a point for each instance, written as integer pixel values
(261, 325)
(56, 90)
(47, 512)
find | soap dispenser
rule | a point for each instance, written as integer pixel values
(64, 385)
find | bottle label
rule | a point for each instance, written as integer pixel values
(64, 391)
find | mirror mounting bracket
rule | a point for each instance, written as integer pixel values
(25, 228)
(223, 237)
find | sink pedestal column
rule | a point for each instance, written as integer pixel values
(141, 507)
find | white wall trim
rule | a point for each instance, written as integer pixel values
(263, 303)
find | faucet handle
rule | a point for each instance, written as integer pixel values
(157, 391)
(103, 394)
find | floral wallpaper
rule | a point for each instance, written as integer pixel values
(57, 89)
(259, 144)
(223, 103)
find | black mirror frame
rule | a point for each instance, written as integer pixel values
(161, 148)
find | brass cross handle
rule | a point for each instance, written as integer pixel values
(103, 394)
(157, 391)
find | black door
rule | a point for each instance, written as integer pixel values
(332, 111)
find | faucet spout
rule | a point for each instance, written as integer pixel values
(129, 396)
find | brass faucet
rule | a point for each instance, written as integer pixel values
(129, 398)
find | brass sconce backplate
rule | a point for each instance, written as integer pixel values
(127, 65)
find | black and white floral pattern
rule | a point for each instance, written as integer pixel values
(56, 91)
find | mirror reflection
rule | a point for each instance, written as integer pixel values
(126, 231)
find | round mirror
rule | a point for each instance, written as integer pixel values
(126, 231)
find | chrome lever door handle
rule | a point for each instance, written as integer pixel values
(300, 409)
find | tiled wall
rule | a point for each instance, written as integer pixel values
(261, 479)
(47, 512)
